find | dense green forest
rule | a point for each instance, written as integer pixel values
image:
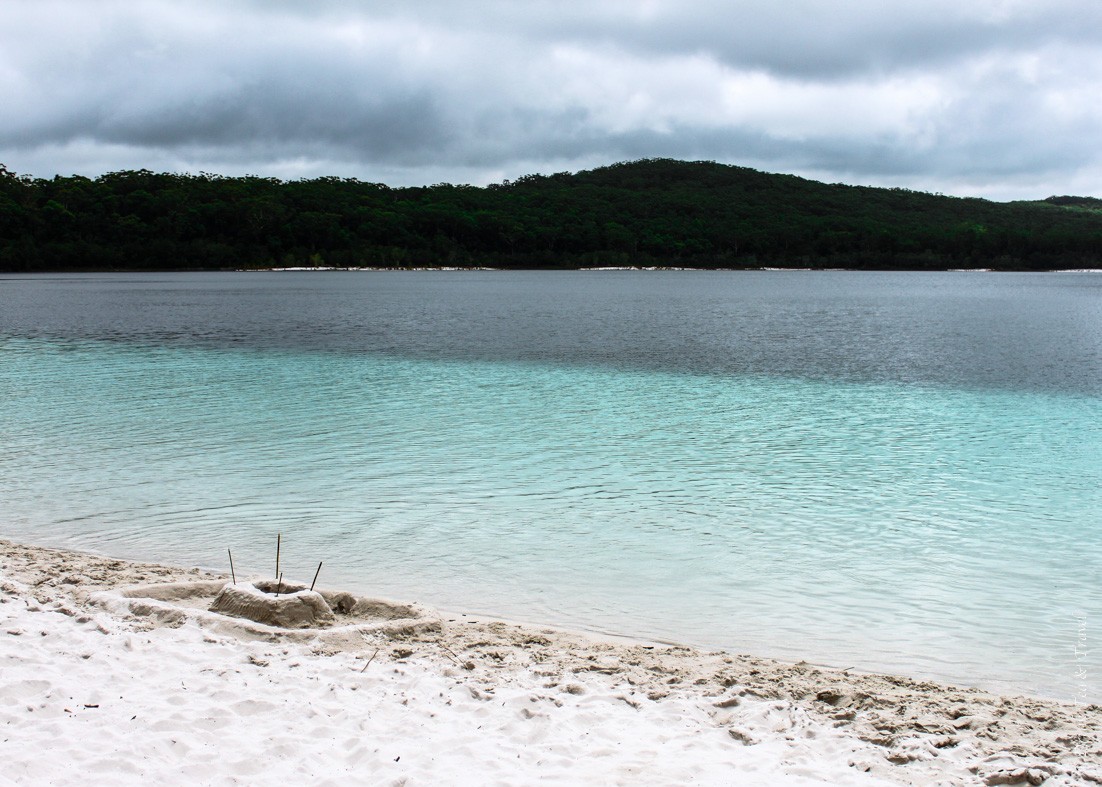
(650, 212)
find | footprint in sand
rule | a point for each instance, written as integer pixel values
(22, 689)
(253, 707)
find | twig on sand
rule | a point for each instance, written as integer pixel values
(368, 664)
(232, 574)
(315, 577)
(279, 586)
(450, 654)
(279, 538)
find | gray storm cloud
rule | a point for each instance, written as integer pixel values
(994, 97)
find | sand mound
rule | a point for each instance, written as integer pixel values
(292, 607)
(253, 610)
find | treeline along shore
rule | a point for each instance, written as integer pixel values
(649, 212)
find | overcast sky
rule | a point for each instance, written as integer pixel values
(994, 98)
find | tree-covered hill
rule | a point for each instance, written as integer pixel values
(650, 212)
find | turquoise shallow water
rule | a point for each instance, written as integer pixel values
(913, 527)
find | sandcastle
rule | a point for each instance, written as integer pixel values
(276, 604)
(270, 610)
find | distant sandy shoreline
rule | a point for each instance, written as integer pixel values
(372, 269)
(130, 698)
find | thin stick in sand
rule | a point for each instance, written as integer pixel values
(279, 538)
(232, 574)
(315, 577)
(448, 652)
(279, 587)
(368, 664)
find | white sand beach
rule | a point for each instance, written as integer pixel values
(95, 692)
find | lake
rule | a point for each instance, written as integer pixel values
(889, 471)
